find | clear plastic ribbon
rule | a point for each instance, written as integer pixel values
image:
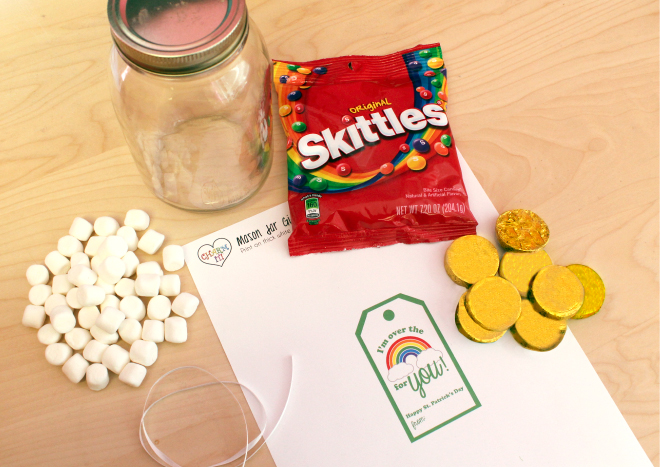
(258, 412)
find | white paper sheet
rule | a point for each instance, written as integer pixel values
(535, 409)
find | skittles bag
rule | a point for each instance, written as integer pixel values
(371, 158)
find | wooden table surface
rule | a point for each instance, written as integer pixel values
(554, 105)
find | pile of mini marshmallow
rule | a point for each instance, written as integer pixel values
(98, 275)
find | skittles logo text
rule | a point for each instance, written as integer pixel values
(387, 124)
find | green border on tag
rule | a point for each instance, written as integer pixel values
(358, 333)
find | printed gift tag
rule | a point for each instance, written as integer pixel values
(415, 366)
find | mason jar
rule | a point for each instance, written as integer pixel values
(191, 88)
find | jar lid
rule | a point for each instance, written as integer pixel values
(177, 36)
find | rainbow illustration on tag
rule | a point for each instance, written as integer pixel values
(404, 348)
(416, 368)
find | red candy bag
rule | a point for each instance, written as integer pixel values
(371, 158)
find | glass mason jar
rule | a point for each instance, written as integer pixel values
(191, 88)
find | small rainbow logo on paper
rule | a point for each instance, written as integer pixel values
(403, 348)
(215, 254)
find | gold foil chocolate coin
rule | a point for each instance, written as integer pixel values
(536, 332)
(557, 292)
(470, 259)
(493, 303)
(521, 230)
(594, 290)
(472, 330)
(519, 268)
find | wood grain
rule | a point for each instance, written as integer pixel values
(554, 106)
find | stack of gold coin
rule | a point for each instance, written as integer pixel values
(470, 329)
(536, 332)
(491, 304)
(532, 297)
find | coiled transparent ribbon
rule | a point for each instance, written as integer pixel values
(257, 409)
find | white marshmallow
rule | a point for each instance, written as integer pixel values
(129, 236)
(53, 301)
(72, 299)
(93, 245)
(68, 245)
(94, 351)
(81, 275)
(115, 358)
(87, 316)
(48, 335)
(149, 267)
(159, 308)
(81, 229)
(110, 319)
(110, 300)
(40, 293)
(113, 245)
(37, 274)
(130, 330)
(57, 263)
(153, 330)
(97, 377)
(34, 316)
(176, 330)
(95, 262)
(170, 285)
(133, 307)
(80, 259)
(133, 374)
(112, 269)
(102, 336)
(109, 289)
(104, 226)
(125, 287)
(131, 261)
(146, 285)
(137, 219)
(144, 352)
(58, 354)
(61, 284)
(75, 368)
(90, 295)
(151, 241)
(173, 259)
(62, 319)
(77, 338)
(185, 305)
